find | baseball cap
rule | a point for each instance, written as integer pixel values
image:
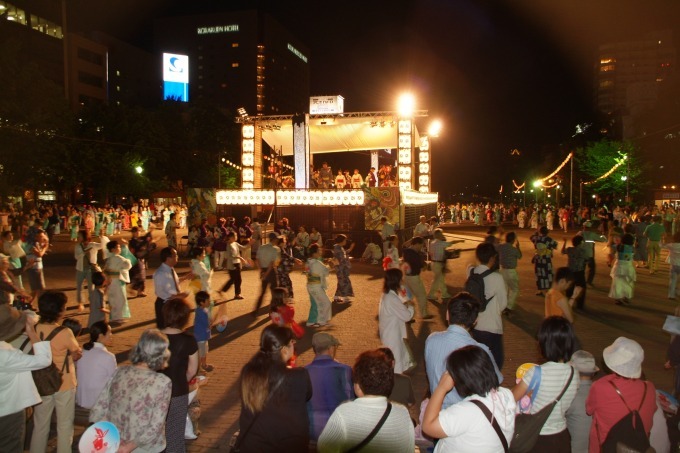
(584, 362)
(323, 340)
(624, 357)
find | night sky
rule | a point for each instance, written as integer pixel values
(500, 74)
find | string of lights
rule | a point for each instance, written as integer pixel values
(520, 187)
(557, 170)
(618, 163)
(231, 164)
(289, 167)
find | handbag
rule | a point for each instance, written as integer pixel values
(494, 423)
(528, 426)
(373, 433)
(48, 380)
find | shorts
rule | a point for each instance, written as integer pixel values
(202, 349)
(36, 279)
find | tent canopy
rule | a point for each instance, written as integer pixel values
(335, 134)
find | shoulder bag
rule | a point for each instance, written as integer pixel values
(373, 433)
(48, 380)
(528, 426)
(493, 422)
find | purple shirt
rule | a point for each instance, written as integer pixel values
(331, 386)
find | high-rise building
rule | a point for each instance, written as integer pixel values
(628, 75)
(240, 59)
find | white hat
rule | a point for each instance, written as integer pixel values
(584, 362)
(624, 357)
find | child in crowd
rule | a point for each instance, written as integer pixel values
(578, 422)
(372, 252)
(97, 310)
(202, 274)
(283, 311)
(556, 301)
(203, 322)
(391, 260)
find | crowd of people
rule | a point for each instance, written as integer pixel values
(327, 404)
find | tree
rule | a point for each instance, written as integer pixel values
(610, 167)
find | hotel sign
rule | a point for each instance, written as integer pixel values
(217, 29)
(319, 105)
(297, 53)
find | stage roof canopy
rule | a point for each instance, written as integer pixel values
(336, 133)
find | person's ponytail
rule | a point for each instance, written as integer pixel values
(96, 330)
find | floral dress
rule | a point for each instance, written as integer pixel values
(344, 288)
(136, 400)
(543, 260)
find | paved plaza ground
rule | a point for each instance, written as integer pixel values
(357, 328)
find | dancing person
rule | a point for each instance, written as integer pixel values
(344, 289)
(508, 254)
(268, 257)
(166, 282)
(655, 234)
(542, 259)
(673, 248)
(386, 230)
(86, 259)
(270, 393)
(137, 397)
(319, 303)
(394, 311)
(557, 302)
(412, 266)
(117, 270)
(576, 262)
(623, 272)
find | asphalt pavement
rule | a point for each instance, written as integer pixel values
(356, 326)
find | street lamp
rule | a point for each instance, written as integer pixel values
(435, 128)
(139, 169)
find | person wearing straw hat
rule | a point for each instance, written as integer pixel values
(17, 390)
(611, 396)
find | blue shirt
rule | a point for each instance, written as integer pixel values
(331, 386)
(438, 347)
(201, 324)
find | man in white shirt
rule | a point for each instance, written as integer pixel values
(489, 328)
(166, 282)
(17, 390)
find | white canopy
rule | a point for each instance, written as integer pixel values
(329, 135)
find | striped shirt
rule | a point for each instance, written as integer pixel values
(508, 255)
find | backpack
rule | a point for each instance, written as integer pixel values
(475, 286)
(629, 432)
(48, 380)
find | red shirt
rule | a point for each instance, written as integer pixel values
(607, 408)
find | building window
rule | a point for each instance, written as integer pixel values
(234, 65)
(234, 44)
(89, 79)
(92, 57)
(607, 68)
(44, 26)
(13, 14)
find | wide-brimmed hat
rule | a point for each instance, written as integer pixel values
(624, 357)
(12, 322)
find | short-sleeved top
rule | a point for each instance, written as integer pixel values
(182, 345)
(62, 342)
(576, 258)
(283, 424)
(468, 429)
(508, 255)
(551, 298)
(655, 231)
(201, 324)
(554, 377)
(414, 260)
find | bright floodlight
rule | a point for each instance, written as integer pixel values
(406, 104)
(538, 183)
(624, 177)
(139, 169)
(435, 128)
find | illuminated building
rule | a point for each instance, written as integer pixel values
(628, 75)
(240, 59)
